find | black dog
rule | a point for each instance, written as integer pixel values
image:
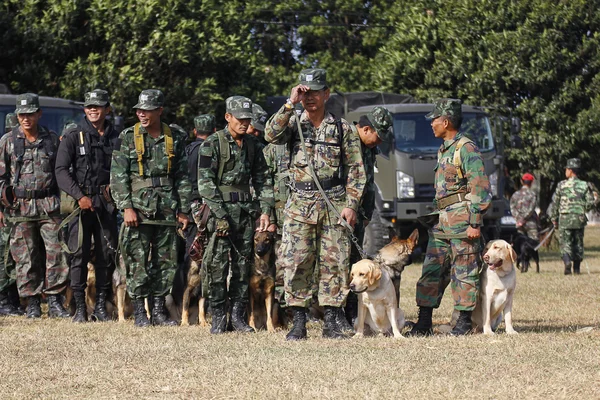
(525, 248)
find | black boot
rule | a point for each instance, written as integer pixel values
(80, 307)
(219, 319)
(342, 322)
(424, 325)
(567, 260)
(298, 331)
(55, 307)
(330, 327)
(139, 313)
(159, 314)
(576, 267)
(15, 299)
(238, 320)
(33, 307)
(7, 307)
(100, 313)
(463, 325)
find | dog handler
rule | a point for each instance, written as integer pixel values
(462, 195)
(522, 207)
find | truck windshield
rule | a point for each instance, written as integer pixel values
(414, 135)
(54, 118)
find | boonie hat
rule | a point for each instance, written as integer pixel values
(27, 103)
(239, 106)
(259, 117)
(574, 163)
(150, 99)
(96, 97)
(445, 108)
(314, 78)
(205, 123)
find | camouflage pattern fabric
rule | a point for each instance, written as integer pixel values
(150, 99)
(383, 122)
(571, 243)
(27, 103)
(239, 106)
(7, 271)
(204, 123)
(314, 78)
(522, 208)
(448, 250)
(10, 122)
(367, 204)
(445, 107)
(96, 97)
(238, 172)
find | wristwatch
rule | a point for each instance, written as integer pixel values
(289, 105)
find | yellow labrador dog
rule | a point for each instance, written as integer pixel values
(498, 281)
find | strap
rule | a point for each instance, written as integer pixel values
(138, 139)
(65, 222)
(19, 148)
(224, 154)
(151, 181)
(169, 152)
(22, 193)
(456, 160)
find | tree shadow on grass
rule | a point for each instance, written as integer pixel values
(530, 326)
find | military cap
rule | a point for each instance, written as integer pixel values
(259, 117)
(205, 123)
(10, 122)
(150, 99)
(314, 78)
(381, 119)
(239, 106)
(96, 97)
(27, 103)
(573, 163)
(445, 108)
(528, 177)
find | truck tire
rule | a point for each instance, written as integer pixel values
(377, 235)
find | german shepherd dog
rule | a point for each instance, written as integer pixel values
(262, 282)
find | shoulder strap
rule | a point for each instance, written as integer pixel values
(457, 161)
(138, 139)
(251, 147)
(19, 148)
(169, 151)
(224, 154)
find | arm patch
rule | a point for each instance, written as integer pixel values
(204, 162)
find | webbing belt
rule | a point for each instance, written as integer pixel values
(452, 199)
(152, 181)
(22, 193)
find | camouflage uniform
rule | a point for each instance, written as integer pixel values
(157, 195)
(313, 240)
(522, 208)
(229, 199)
(37, 205)
(451, 256)
(10, 122)
(571, 200)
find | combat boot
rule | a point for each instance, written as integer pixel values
(15, 299)
(342, 322)
(159, 315)
(567, 260)
(424, 325)
(100, 313)
(463, 325)
(238, 321)
(330, 327)
(139, 313)
(298, 331)
(219, 319)
(80, 307)
(33, 307)
(576, 267)
(7, 307)
(55, 307)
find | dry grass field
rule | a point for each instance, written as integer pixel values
(553, 356)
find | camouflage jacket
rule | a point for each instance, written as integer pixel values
(277, 157)
(571, 200)
(457, 217)
(522, 205)
(238, 171)
(333, 154)
(191, 151)
(37, 171)
(170, 191)
(367, 204)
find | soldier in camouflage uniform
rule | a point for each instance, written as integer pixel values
(522, 208)
(227, 161)
(257, 125)
(149, 181)
(571, 200)
(462, 195)
(10, 122)
(314, 240)
(30, 196)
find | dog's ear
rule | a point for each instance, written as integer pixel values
(374, 274)
(513, 253)
(487, 246)
(414, 238)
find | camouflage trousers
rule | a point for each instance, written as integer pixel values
(315, 254)
(530, 229)
(279, 272)
(450, 260)
(7, 270)
(26, 249)
(571, 243)
(222, 259)
(150, 256)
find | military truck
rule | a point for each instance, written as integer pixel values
(405, 167)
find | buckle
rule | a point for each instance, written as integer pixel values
(308, 186)
(155, 181)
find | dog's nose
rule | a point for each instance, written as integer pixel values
(352, 286)
(486, 258)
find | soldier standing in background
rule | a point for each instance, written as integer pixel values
(313, 237)
(571, 200)
(149, 181)
(227, 161)
(10, 122)
(462, 195)
(30, 196)
(83, 172)
(257, 124)
(522, 208)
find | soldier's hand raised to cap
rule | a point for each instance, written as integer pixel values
(297, 94)
(130, 217)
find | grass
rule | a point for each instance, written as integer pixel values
(552, 357)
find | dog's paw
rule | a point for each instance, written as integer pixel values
(487, 331)
(511, 332)
(358, 335)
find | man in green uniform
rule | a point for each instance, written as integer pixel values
(228, 162)
(149, 182)
(571, 200)
(462, 195)
(314, 239)
(522, 208)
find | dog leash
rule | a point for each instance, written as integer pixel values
(545, 239)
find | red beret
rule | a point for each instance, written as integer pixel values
(528, 177)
